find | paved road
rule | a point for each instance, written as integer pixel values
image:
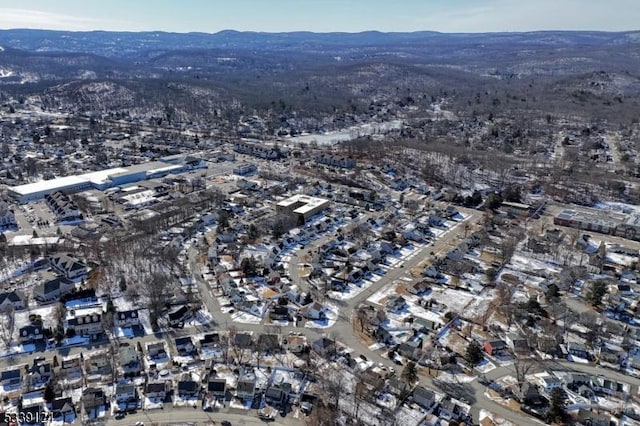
(341, 331)
(198, 417)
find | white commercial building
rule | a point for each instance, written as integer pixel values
(103, 179)
(302, 206)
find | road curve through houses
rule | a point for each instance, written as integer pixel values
(342, 331)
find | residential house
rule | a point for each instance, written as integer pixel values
(495, 347)
(396, 303)
(40, 264)
(125, 393)
(52, 289)
(71, 368)
(275, 396)
(156, 351)
(155, 391)
(85, 322)
(529, 394)
(385, 336)
(336, 161)
(549, 383)
(268, 343)
(184, 346)
(410, 349)
(548, 345)
(68, 266)
(425, 325)
(243, 340)
(7, 216)
(246, 388)
(210, 341)
(31, 333)
(518, 345)
(578, 350)
(93, 401)
(324, 347)
(62, 206)
(279, 313)
(217, 388)
(11, 300)
(188, 389)
(98, 366)
(420, 288)
(314, 311)
(40, 374)
(424, 397)
(62, 408)
(432, 272)
(449, 410)
(295, 344)
(11, 378)
(179, 315)
(126, 319)
(129, 361)
(609, 386)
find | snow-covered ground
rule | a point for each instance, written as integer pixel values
(331, 313)
(499, 421)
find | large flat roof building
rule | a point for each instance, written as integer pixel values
(102, 179)
(302, 206)
(604, 222)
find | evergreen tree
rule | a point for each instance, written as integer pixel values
(473, 355)
(409, 373)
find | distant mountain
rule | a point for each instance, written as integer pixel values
(137, 44)
(230, 72)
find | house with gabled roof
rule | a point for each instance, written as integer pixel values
(63, 409)
(12, 300)
(125, 319)
(11, 378)
(53, 289)
(217, 388)
(424, 397)
(93, 401)
(31, 333)
(179, 315)
(98, 366)
(68, 266)
(125, 393)
(39, 374)
(129, 360)
(184, 346)
(187, 388)
(156, 391)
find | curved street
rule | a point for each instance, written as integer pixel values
(342, 331)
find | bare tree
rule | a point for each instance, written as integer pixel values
(521, 368)
(156, 288)
(7, 326)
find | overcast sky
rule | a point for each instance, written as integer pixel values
(322, 15)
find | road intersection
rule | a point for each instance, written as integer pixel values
(342, 331)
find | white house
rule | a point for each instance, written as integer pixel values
(314, 311)
(85, 321)
(549, 383)
(68, 266)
